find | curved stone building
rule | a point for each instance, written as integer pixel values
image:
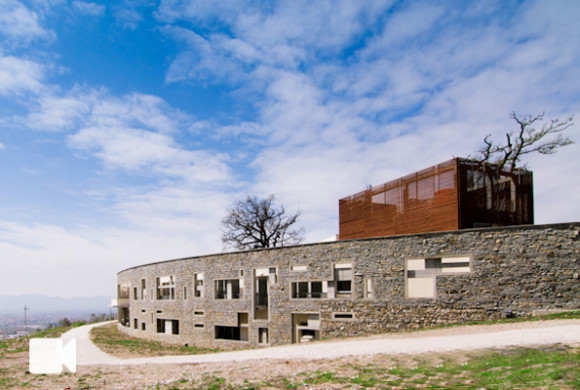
(356, 287)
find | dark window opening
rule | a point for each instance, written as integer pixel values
(167, 326)
(307, 290)
(227, 289)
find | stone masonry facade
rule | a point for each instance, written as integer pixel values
(350, 288)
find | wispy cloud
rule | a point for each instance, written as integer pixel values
(19, 24)
(134, 133)
(89, 8)
(18, 76)
(423, 83)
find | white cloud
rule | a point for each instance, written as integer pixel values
(88, 8)
(18, 76)
(392, 110)
(410, 23)
(283, 36)
(19, 23)
(128, 18)
(136, 133)
(97, 107)
(59, 113)
(141, 150)
(83, 262)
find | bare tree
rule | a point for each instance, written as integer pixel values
(258, 223)
(527, 139)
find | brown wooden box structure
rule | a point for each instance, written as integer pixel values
(456, 194)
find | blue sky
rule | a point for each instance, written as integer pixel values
(128, 127)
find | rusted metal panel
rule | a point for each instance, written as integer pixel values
(421, 202)
(456, 194)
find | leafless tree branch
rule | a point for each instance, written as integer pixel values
(527, 139)
(258, 223)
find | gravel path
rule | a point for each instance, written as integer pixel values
(440, 340)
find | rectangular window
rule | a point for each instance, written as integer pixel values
(184, 292)
(310, 289)
(343, 316)
(143, 326)
(135, 323)
(305, 327)
(198, 313)
(143, 289)
(123, 291)
(135, 296)
(167, 326)
(227, 332)
(228, 289)
(198, 325)
(166, 287)
(263, 337)
(198, 285)
(368, 287)
(343, 276)
(239, 332)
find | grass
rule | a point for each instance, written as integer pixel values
(20, 344)
(567, 315)
(111, 340)
(555, 367)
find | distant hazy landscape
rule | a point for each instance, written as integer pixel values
(44, 310)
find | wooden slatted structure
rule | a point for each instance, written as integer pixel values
(456, 194)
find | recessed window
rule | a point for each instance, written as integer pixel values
(305, 327)
(343, 278)
(198, 285)
(343, 316)
(166, 287)
(198, 325)
(228, 289)
(143, 289)
(167, 326)
(198, 313)
(368, 287)
(123, 291)
(239, 332)
(263, 337)
(310, 289)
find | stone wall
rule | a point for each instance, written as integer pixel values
(511, 270)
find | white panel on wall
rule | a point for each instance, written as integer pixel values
(415, 264)
(421, 287)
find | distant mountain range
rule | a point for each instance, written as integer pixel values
(43, 304)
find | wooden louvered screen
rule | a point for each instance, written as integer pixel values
(456, 194)
(424, 201)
